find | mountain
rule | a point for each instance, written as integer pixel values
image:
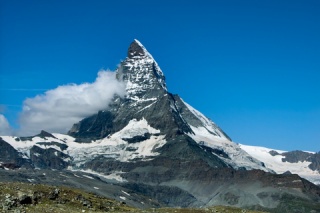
(306, 164)
(153, 144)
(150, 112)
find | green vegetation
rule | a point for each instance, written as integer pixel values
(28, 197)
(215, 209)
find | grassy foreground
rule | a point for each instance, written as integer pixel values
(28, 197)
(215, 209)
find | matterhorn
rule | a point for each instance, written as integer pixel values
(156, 148)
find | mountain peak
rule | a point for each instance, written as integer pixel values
(136, 49)
(141, 73)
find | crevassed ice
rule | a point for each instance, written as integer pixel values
(113, 146)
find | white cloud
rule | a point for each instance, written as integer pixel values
(4, 126)
(56, 110)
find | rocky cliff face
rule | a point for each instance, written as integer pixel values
(155, 144)
(10, 158)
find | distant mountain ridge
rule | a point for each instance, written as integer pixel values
(153, 143)
(306, 164)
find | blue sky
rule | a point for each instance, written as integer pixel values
(253, 67)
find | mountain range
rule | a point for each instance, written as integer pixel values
(152, 149)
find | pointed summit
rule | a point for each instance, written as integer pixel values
(141, 73)
(136, 49)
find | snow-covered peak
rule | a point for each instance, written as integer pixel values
(136, 50)
(135, 128)
(141, 73)
(136, 40)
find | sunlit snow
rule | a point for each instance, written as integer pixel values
(113, 146)
(276, 164)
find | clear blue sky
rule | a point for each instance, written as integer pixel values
(253, 67)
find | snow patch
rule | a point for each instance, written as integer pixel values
(113, 176)
(146, 107)
(116, 176)
(77, 176)
(135, 128)
(64, 175)
(88, 177)
(126, 193)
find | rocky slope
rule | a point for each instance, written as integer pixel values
(152, 143)
(28, 197)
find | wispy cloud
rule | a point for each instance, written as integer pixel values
(5, 128)
(57, 109)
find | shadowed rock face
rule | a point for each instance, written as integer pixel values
(135, 49)
(11, 158)
(296, 156)
(158, 113)
(49, 158)
(301, 156)
(315, 162)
